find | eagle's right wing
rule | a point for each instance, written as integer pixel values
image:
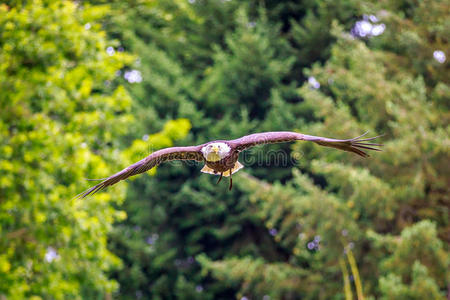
(154, 159)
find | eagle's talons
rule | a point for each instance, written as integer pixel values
(220, 178)
(231, 182)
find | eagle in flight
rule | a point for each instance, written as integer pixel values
(221, 157)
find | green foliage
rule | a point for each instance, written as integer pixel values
(257, 276)
(60, 120)
(413, 254)
(253, 62)
(418, 244)
(320, 224)
(422, 286)
(52, 98)
(233, 68)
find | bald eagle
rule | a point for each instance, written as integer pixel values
(221, 157)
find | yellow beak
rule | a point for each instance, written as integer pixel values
(215, 149)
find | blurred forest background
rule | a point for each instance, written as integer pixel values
(89, 87)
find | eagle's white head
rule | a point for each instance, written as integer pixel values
(216, 151)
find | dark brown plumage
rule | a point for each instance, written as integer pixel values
(228, 164)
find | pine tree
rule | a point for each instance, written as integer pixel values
(359, 88)
(326, 225)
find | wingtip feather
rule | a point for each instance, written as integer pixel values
(358, 143)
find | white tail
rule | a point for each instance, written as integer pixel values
(208, 170)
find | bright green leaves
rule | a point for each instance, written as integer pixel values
(176, 129)
(52, 77)
(60, 121)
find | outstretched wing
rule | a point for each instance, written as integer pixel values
(355, 145)
(154, 159)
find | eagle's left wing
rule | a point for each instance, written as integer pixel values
(351, 145)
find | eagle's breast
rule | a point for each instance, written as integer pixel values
(225, 163)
